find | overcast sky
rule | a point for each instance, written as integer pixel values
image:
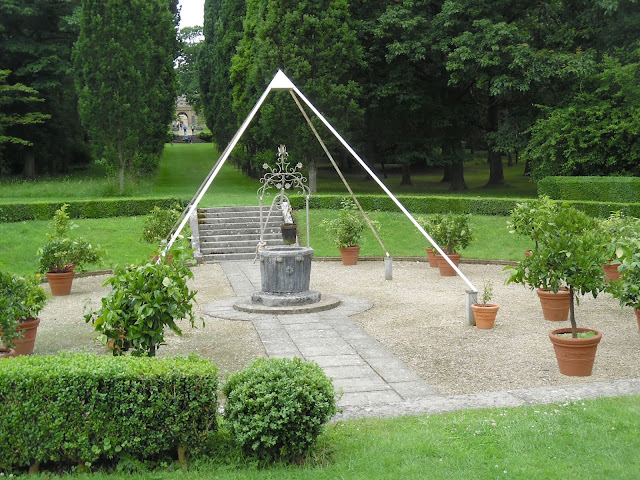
(191, 13)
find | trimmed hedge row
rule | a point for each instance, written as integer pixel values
(445, 204)
(97, 208)
(598, 189)
(416, 204)
(84, 408)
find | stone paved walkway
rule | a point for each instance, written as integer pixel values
(372, 380)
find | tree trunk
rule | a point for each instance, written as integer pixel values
(457, 176)
(509, 160)
(446, 174)
(313, 175)
(496, 172)
(572, 314)
(527, 168)
(406, 175)
(121, 171)
(30, 164)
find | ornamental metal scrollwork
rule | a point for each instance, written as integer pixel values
(283, 176)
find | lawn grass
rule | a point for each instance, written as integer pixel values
(591, 439)
(121, 239)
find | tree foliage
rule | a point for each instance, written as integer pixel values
(596, 131)
(36, 38)
(126, 80)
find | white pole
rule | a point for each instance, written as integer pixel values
(220, 163)
(383, 186)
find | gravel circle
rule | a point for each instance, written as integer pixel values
(419, 316)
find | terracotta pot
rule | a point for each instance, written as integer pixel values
(7, 352)
(431, 255)
(611, 271)
(637, 312)
(29, 329)
(485, 315)
(349, 255)
(447, 270)
(555, 306)
(527, 253)
(60, 283)
(575, 356)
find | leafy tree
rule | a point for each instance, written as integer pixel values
(595, 132)
(187, 65)
(9, 96)
(222, 31)
(126, 79)
(36, 39)
(315, 44)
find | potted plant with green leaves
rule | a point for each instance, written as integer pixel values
(157, 227)
(618, 229)
(453, 233)
(627, 287)
(144, 301)
(62, 254)
(346, 231)
(569, 254)
(21, 300)
(529, 218)
(485, 312)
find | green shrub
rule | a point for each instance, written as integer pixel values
(157, 225)
(98, 208)
(276, 408)
(20, 299)
(82, 408)
(346, 230)
(143, 301)
(598, 189)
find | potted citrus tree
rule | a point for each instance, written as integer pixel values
(569, 255)
(529, 218)
(62, 254)
(21, 300)
(618, 229)
(144, 301)
(627, 287)
(485, 313)
(452, 233)
(346, 232)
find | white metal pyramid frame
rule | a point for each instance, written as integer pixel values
(281, 82)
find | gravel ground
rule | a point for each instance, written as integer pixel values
(419, 316)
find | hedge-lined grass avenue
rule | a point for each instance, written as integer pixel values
(183, 167)
(589, 439)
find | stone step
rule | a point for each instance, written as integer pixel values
(238, 230)
(254, 237)
(250, 208)
(214, 251)
(233, 214)
(238, 243)
(240, 220)
(223, 257)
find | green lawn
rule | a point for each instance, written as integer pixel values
(590, 440)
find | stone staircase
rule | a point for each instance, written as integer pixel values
(233, 233)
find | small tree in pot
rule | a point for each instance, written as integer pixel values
(62, 254)
(346, 231)
(530, 218)
(570, 253)
(21, 300)
(627, 287)
(618, 229)
(452, 233)
(144, 300)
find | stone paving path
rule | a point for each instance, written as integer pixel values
(372, 380)
(361, 368)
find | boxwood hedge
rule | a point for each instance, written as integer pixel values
(446, 204)
(96, 208)
(598, 189)
(81, 408)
